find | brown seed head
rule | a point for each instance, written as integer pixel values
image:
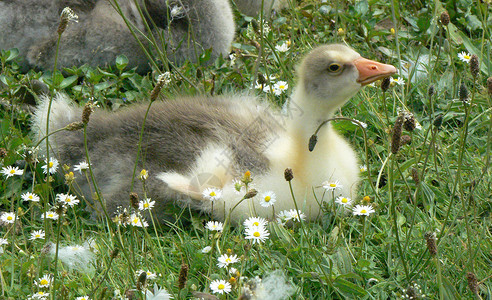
(313, 140)
(74, 126)
(430, 238)
(67, 15)
(474, 66)
(251, 194)
(183, 276)
(431, 91)
(142, 280)
(438, 121)
(288, 174)
(445, 18)
(134, 200)
(489, 85)
(405, 140)
(3, 152)
(415, 175)
(86, 113)
(463, 93)
(472, 282)
(162, 80)
(396, 136)
(261, 79)
(385, 84)
(409, 122)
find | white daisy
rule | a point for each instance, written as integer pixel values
(363, 210)
(30, 197)
(225, 260)
(263, 87)
(82, 166)
(39, 295)
(157, 294)
(37, 234)
(255, 221)
(268, 199)
(220, 287)
(398, 81)
(44, 282)
(146, 204)
(11, 171)
(282, 48)
(206, 249)
(257, 234)
(279, 87)
(296, 215)
(50, 215)
(344, 201)
(214, 226)
(332, 185)
(83, 298)
(50, 166)
(67, 199)
(137, 221)
(363, 168)
(3, 241)
(143, 175)
(212, 194)
(465, 57)
(8, 217)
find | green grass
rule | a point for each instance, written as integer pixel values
(439, 183)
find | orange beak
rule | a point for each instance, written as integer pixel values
(370, 71)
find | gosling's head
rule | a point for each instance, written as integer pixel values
(331, 74)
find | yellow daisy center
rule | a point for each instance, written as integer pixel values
(256, 224)
(146, 205)
(467, 56)
(12, 171)
(43, 282)
(213, 194)
(268, 198)
(30, 197)
(333, 185)
(135, 221)
(363, 211)
(228, 260)
(344, 200)
(50, 164)
(256, 234)
(221, 286)
(68, 200)
(50, 215)
(9, 218)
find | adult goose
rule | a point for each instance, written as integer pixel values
(190, 144)
(183, 29)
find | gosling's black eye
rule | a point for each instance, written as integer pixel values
(334, 68)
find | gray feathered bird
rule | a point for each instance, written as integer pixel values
(187, 28)
(190, 144)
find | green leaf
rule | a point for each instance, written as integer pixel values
(68, 81)
(347, 288)
(12, 53)
(121, 62)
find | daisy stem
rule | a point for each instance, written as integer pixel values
(57, 246)
(363, 236)
(439, 277)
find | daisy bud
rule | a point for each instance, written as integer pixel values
(288, 174)
(385, 84)
(74, 126)
(3, 152)
(69, 178)
(405, 140)
(134, 200)
(472, 282)
(474, 66)
(438, 121)
(396, 136)
(366, 199)
(312, 142)
(409, 122)
(431, 91)
(489, 85)
(415, 175)
(251, 194)
(430, 238)
(86, 113)
(445, 18)
(463, 92)
(142, 279)
(183, 276)
(247, 177)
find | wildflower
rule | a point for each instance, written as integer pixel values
(177, 12)
(364, 125)
(212, 194)
(445, 18)
(282, 48)
(82, 166)
(214, 226)
(255, 221)
(332, 185)
(50, 166)
(82, 298)
(363, 168)
(363, 210)
(225, 260)
(232, 58)
(262, 86)
(8, 217)
(398, 81)
(220, 286)
(67, 15)
(37, 234)
(136, 220)
(340, 31)
(206, 249)
(256, 233)
(279, 87)
(366, 199)
(67, 199)
(474, 66)
(39, 295)
(238, 186)
(396, 136)
(11, 171)
(143, 175)
(268, 199)
(465, 57)
(44, 282)
(288, 174)
(392, 31)
(3, 242)
(430, 239)
(463, 93)
(157, 294)
(149, 274)
(146, 204)
(344, 201)
(296, 215)
(50, 215)
(183, 275)
(162, 80)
